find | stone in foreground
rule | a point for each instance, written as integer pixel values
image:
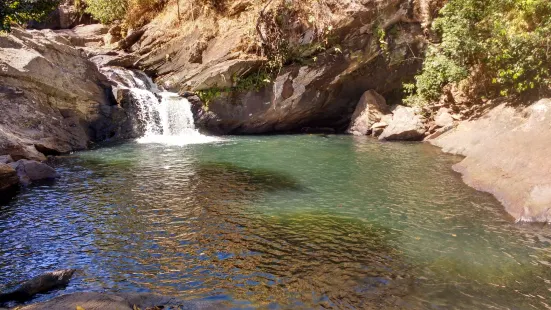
(370, 109)
(40, 284)
(507, 154)
(121, 301)
(29, 171)
(406, 125)
(8, 178)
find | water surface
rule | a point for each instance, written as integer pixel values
(277, 222)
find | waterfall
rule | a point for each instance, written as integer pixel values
(164, 117)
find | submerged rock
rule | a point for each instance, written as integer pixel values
(371, 108)
(507, 154)
(406, 125)
(120, 301)
(6, 159)
(41, 284)
(29, 171)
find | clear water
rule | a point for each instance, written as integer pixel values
(277, 222)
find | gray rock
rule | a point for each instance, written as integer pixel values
(29, 171)
(507, 154)
(370, 109)
(37, 285)
(406, 125)
(8, 178)
(6, 159)
(120, 60)
(85, 35)
(53, 99)
(443, 118)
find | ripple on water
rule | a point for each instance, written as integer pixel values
(293, 221)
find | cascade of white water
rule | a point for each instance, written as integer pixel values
(167, 117)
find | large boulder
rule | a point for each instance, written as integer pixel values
(507, 154)
(53, 99)
(371, 108)
(29, 171)
(406, 125)
(8, 178)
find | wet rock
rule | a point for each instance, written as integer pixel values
(443, 118)
(507, 154)
(40, 284)
(6, 159)
(29, 171)
(371, 108)
(120, 301)
(8, 178)
(406, 125)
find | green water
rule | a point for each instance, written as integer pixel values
(278, 222)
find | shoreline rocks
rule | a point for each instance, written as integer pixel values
(120, 301)
(406, 125)
(37, 285)
(507, 154)
(370, 110)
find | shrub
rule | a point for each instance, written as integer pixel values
(107, 11)
(508, 38)
(21, 11)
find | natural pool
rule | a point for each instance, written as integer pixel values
(277, 222)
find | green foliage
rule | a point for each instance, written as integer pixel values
(508, 39)
(107, 11)
(252, 82)
(21, 11)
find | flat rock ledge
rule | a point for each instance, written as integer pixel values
(507, 154)
(121, 301)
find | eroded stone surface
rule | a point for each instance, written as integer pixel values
(507, 154)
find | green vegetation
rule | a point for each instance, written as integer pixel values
(107, 11)
(134, 13)
(507, 41)
(22, 11)
(254, 81)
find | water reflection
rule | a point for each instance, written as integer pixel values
(277, 221)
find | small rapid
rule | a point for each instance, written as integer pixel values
(165, 117)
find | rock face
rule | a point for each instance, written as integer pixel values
(29, 171)
(105, 301)
(406, 125)
(370, 109)
(507, 154)
(53, 99)
(319, 91)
